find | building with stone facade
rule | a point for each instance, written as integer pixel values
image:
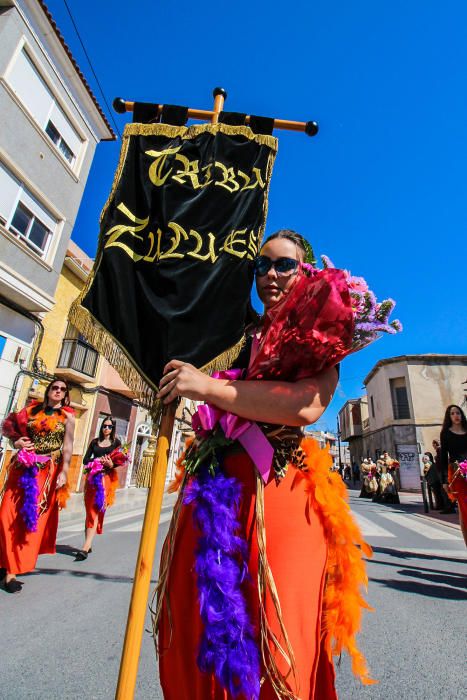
(51, 124)
(403, 409)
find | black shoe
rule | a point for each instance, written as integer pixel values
(82, 555)
(2, 573)
(12, 586)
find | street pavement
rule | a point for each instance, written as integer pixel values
(61, 637)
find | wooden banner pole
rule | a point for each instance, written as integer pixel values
(310, 128)
(147, 547)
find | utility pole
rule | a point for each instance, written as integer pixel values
(339, 443)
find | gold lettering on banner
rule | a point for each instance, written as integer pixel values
(228, 182)
(190, 171)
(149, 257)
(179, 232)
(235, 238)
(239, 243)
(211, 254)
(156, 168)
(257, 182)
(117, 231)
(252, 245)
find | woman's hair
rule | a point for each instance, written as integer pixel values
(298, 239)
(108, 419)
(447, 418)
(65, 401)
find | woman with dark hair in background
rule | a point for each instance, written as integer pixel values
(43, 435)
(432, 479)
(100, 460)
(453, 453)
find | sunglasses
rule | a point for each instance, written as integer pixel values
(283, 266)
(107, 427)
(58, 388)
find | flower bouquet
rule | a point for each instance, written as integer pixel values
(327, 315)
(96, 471)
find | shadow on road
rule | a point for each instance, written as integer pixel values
(84, 574)
(67, 549)
(449, 579)
(419, 588)
(415, 555)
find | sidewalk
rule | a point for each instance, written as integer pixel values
(125, 500)
(412, 502)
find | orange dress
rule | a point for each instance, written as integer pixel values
(20, 548)
(110, 481)
(110, 484)
(310, 535)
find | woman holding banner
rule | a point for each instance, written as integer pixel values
(262, 567)
(37, 482)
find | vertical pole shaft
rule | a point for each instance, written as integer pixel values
(220, 96)
(139, 595)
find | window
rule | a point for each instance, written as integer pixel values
(28, 227)
(2, 345)
(400, 401)
(23, 215)
(372, 407)
(60, 142)
(34, 93)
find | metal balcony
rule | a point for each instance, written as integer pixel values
(77, 358)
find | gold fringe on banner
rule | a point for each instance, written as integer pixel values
(108, 346)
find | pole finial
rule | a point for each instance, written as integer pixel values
(219, 91)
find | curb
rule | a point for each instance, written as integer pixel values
(447, 523)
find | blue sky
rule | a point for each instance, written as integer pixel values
(381, 189)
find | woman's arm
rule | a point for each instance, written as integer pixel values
(89, 453)
(444, 458)
(288, 403)
(67, 449)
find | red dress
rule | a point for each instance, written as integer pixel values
(314, 552)
(19, 548)
(109, 482)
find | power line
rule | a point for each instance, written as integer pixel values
(92, 69)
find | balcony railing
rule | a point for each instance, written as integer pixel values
(78, 356)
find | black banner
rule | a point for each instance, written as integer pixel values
(178, 236)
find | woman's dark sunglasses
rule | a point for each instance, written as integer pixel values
(107, 426)
(283, 266)
(63, 389)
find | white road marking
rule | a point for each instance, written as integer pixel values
(369, 528)
(110, 518)
(408, 522)
(136, 527)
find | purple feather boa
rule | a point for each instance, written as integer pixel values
(30, 487)
(96, 480)
(228, 647)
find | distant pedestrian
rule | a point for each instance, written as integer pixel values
(454, 452)
(355, 472)
(433, 480)
(101, 459)
(369, 481)
(447, 505)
